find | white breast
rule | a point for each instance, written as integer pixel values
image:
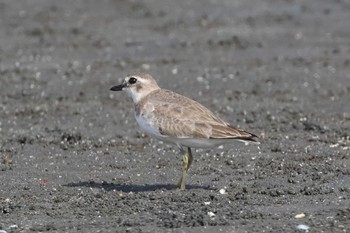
(148, 127)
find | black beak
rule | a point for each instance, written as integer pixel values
(118, 88)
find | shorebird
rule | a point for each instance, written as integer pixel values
(176, 119)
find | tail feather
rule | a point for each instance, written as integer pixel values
(253, 138)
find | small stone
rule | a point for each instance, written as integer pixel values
(211, 214)
(200, 79)
(303, 227)
(301, 215)
(120, 194)
(229, 162)
(222, 191)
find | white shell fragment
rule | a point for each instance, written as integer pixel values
(222, 191)
(211, 214)
(301, 215)
(303, 227)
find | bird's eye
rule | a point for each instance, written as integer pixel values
(132, 80)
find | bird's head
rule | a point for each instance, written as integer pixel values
(137, 85)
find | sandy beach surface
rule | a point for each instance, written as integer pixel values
(72, 158)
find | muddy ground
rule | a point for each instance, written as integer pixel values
(74, 160)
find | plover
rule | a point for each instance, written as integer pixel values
(176, 119)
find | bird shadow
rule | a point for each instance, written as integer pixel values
(132, 187)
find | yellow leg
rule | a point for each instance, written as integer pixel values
(187, 161)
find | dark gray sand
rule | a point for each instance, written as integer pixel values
(74, 160)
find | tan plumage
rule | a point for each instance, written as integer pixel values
(177, 119)
(178, 116)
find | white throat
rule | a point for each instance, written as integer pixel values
(136, 96)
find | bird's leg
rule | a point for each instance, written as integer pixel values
(187, 161)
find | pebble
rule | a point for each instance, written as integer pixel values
(174, 71)
(211, 214)
(222, 191)
(229, 162)
(3, 231)
(119, 193)
(200, 79)
(303, 227)
(301, 215)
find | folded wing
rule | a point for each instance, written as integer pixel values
(189, 119)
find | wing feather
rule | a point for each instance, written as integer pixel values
(179, 116)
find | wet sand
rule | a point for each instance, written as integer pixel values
(74, 160)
